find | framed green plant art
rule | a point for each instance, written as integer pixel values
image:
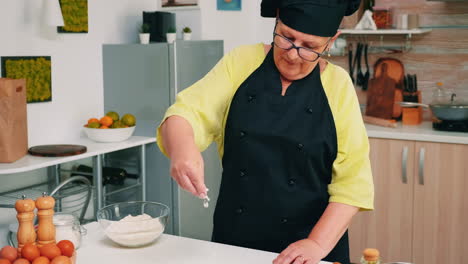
(75, 16)
(36, 71)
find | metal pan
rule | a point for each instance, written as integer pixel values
(448, 111)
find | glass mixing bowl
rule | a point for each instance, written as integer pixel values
(133, 224)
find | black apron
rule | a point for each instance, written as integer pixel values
(277, 163)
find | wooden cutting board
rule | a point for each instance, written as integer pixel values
(395, 70)
(60, 150)
(381, 96)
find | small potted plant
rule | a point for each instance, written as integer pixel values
(171, 35)
(144, 34)
(187, 33)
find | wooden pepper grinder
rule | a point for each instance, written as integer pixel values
(25, 215)
(45, 213)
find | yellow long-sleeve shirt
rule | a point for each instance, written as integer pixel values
(205, 105)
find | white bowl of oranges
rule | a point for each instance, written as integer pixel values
(110, 128)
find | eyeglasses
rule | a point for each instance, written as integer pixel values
(307, 54)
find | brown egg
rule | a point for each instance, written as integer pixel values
(41, 260)
(21, 261)
(61, 260)
(10, 253)
(30, 252)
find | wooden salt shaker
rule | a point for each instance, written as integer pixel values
(25, 215)
(45, 213)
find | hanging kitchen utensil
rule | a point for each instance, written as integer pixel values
(367, 74)
(355, 61)
(360, 75)
(350, 61)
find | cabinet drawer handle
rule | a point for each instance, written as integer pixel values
(404, 161)
(422, 154)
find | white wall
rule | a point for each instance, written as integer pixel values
(77, 92)
(235, 27)
(77, 86)
(77, 81)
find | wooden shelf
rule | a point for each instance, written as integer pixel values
(29, 162)
(408, 33)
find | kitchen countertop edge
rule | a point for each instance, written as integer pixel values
(423, 132)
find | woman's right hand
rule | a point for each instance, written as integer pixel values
(187, 169)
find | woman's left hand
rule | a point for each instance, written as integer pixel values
(305, 251)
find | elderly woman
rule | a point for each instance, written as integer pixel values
(290, 134)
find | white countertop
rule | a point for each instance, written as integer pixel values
(423, 132)
(29, 162)
(168, 249)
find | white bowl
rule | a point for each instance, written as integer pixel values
(109, 134)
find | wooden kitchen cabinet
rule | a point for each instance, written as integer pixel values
(440, 203)
(419, 217)
(387, 228)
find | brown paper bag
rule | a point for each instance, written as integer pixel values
(13, 120)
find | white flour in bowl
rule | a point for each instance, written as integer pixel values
(135, 231)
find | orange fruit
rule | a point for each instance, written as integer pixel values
(92, 120)
(41, 260)
(94, 125)
(50, 251)
(30, 252)
(113, 115)
(66, 247)
(128, 119)
(106, 121)
(4, 261)
(8, 252)
(103, 127)
(21, 261)
(61, 260)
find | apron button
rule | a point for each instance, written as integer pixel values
(242, 134)
(239, 211)
(284, 220)
(251, 98)
(300, 146)
(291, 182)
(310, 110)
(242, 173)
